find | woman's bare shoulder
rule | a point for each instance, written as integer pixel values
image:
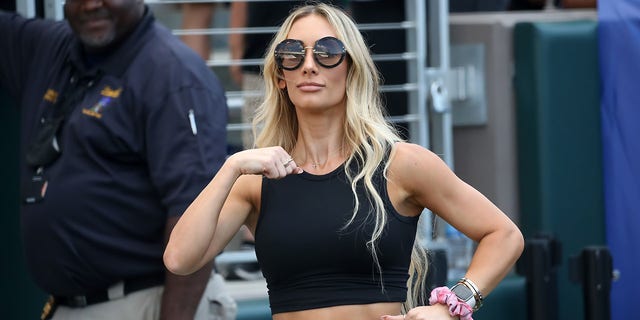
(405, 153)
(417, 168)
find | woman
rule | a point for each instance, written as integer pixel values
(333, 196)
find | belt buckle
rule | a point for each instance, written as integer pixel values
(79, 301)
(48, 309)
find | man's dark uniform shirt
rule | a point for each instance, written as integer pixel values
(146, 135)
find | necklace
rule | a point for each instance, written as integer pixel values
(313, 165)
(317, 165)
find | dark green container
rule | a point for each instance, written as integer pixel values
(559, 143)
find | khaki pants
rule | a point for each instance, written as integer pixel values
(216, 304)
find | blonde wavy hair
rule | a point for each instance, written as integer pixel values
(368, 136)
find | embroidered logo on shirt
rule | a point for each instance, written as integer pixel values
(108, 95)
(108, 92)
(51, 95)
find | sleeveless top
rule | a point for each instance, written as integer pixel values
(307, 257)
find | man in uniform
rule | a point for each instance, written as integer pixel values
(121, 126)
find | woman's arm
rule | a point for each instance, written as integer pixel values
(222, 207)
(429, 183)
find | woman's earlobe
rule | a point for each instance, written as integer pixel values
(282, 84)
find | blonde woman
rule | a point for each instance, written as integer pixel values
(333, 196)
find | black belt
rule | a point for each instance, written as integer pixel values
(116, 291)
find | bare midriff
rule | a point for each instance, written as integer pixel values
(371, 311)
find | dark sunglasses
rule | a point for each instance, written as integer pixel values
(328, 52)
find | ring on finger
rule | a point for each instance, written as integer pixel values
(286, 163)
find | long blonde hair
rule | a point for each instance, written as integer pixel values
(367, 134)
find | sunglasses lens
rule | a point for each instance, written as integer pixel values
(329, 52)
(289, 54)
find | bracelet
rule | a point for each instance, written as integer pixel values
(477, 295)
(457, 307)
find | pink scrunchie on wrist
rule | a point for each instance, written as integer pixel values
(443, 295)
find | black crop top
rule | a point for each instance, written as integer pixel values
(310, 262)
